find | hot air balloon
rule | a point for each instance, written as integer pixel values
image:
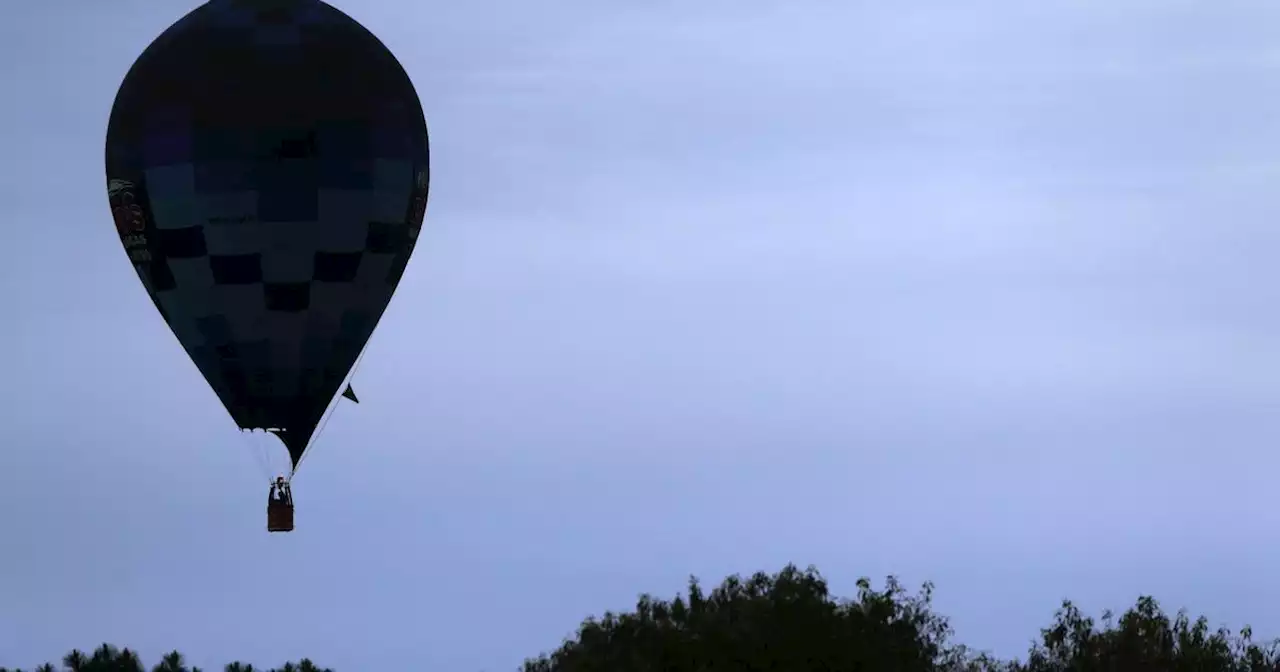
(267, 169)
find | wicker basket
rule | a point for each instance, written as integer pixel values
(280, 518)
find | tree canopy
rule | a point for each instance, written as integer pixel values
(108, 658)
(790, 622)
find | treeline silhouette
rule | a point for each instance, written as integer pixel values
(789, 622)
(108, 658)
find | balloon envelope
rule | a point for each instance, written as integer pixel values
(267, 168)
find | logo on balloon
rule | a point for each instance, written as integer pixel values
(124, 207)
(418, 210)
(130, 219)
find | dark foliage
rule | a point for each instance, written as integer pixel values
(107, 658)
(789, 622)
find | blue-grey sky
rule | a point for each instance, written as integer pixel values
(981, 292)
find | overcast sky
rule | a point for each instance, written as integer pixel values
(981, 293)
